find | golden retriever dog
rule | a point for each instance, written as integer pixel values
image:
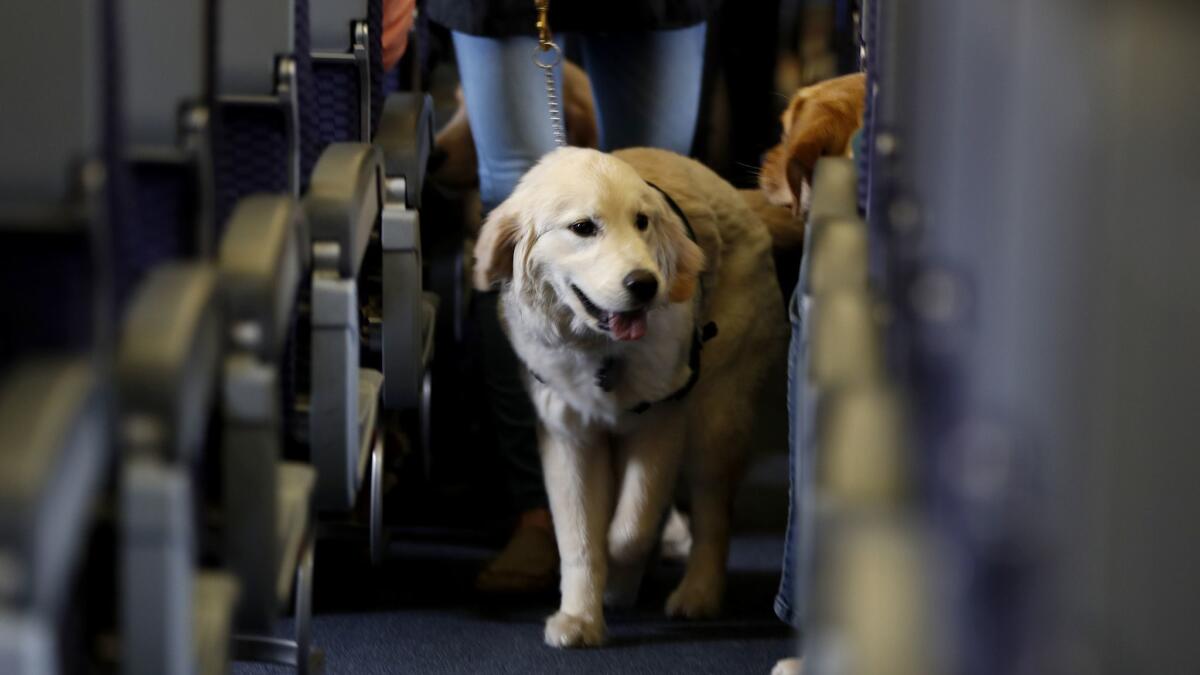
(819, 121)
(639, 291)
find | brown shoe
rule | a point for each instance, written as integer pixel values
(528, 564)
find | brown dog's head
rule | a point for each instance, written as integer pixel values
(819, 121)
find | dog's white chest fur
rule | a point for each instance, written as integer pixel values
(566, 391)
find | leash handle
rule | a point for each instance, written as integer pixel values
(543, 23)
(546, 56)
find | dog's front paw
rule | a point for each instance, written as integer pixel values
(788, 667)
(568, 630)
(694, 601)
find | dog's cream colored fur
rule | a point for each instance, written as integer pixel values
(610, 473)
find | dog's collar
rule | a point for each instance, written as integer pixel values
(678, 211)
(606, 374)
(699, 336)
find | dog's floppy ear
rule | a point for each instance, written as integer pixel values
(798, 173)
(495, 248)
(687, 255)
(821, 121)
(688, 267)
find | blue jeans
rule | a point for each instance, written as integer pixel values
(647, 92)
(791, 601)
(646, 86)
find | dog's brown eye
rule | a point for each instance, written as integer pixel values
(584, 228)
(643, 221)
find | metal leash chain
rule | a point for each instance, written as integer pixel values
(546, 56)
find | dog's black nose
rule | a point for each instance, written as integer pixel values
(642, 285)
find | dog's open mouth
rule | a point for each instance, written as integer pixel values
(629, 325)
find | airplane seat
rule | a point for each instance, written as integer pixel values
(398, 317)
(331, 401)
(236, 298)
(268, 502)
(56, 319)
(176, 612)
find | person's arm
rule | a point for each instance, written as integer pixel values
(397, 23)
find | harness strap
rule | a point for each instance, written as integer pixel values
(678, 211)
(701, 335)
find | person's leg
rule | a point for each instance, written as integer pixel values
(506, 100)
(505, 95)
(791, 602)
(786, 601)
(647, 86)
(513, 415)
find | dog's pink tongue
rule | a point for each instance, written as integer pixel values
(629, 325)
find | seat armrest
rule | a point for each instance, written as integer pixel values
(53, 454)
(405, 136)
(344, 202)
(839, 256)
(216, 595)
(834, 190)
(260, 263)
(167, 361)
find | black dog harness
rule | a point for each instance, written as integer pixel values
(606, 374)
(700, 335)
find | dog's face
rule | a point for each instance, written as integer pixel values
(819, 121)
(584, 233)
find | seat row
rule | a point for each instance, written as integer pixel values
(209, 218)
(1010, 493)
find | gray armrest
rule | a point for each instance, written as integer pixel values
(405, 136)
(216, 596)
(865, 463)
(157, 564)
(839, 256)
(343, 204)
(166, 371)
(167, 360)
(53, 452)
(835, 189)
(260, 266)
(261, 259)
(293, 513)
(846, 344)
(403, 315)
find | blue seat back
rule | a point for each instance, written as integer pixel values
(347, 69)
(265, 119)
